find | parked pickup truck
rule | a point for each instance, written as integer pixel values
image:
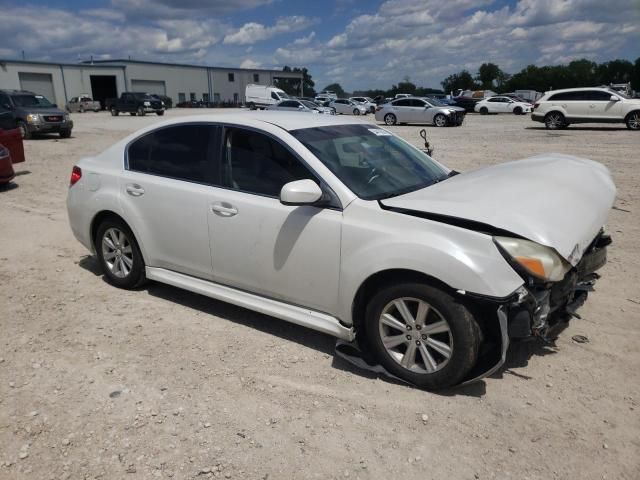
(82, 104)
(137, 103)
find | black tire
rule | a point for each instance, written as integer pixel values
(24, 130)
(65, 133)
(554, 121)
(160, 113)
(517, 111)
(133, 114)
(81, 109)
(114, 112)
(440, 120)
(484, 111)
(390, 119)
(136, 275)
(633, 120)
(464, 335)
(356, 111)
(141, 112)
(252, 106)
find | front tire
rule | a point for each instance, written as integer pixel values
(24, 131)
(633, 120)
(356, 111)
(65, 133)
(484, 111)
(554, 121)
(160, 113)
(390, 119)
(114, 112)
(141, 112)
(517, 111)
(440, 120)
(422, 335)
(252, 106)
(119, 254)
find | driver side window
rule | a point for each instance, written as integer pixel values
(253, 162)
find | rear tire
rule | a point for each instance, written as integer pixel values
(160, 113)
(437, 351)
(554, 121)
(484, 111)
(633, 120)
(390, 119)
(119, 255)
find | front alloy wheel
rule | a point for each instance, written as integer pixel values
(633, 121)
(440, 120)
(554, 121)
(421, 334)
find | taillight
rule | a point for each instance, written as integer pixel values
(76, 174)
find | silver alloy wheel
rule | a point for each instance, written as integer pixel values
(415, 335)
(554, 121)
(634, 121)
(117, 252)
(356, 111)
(440, 120)
(390, 119)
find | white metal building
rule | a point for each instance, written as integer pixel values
(104, 79)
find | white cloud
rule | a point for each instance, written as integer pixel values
(305, 40)
(248, 63)
(253, 32)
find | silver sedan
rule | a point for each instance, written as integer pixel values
(420, 110)
(293, 105)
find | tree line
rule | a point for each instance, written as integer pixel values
(578, 73)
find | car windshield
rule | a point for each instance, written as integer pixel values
(35, 101)
(372, 162)
(308, 104)
(144, 96)
(283, 95)
(623, 95)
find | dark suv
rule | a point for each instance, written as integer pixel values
(35, 114)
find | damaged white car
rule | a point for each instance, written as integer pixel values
(343, 227)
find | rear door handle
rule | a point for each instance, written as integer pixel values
(224, 210)
(135, 190)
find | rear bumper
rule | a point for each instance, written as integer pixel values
(537, 117)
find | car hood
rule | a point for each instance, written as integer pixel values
(44, 111)
(556, 200)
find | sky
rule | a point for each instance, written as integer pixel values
(360, 44)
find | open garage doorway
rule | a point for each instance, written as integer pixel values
(103, 87)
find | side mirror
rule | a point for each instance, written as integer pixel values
(300, 192)
(614, 98)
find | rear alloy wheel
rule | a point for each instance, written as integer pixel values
(119, 255)
(633, 121)
(356, 111)
(390, 119)
(422, 335)
(517, 110)
(484, 111)
(140, 112)
(440, 120)
(554, 121)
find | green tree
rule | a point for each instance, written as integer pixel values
(488, 73)
(335, 88)
(461, 80)
(292, 85)
(635, 75)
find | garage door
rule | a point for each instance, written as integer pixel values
(40, 83)
(156, 87)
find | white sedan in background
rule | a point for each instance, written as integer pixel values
(502, 104)
(348, 107)
(366, 102)
(343, 227)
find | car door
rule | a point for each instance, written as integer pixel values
(402, 110)
(602, 107)
(420, 111)
(289, 253)
(165, 192)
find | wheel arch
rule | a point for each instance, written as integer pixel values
(631, 112)
(103, 215)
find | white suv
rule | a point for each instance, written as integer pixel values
(561, 108)
(341, 226)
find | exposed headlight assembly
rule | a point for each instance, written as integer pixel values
(33, 118)
(147, 104)
(538, 260)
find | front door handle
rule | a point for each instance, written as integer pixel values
(135, 190)
(224, 210)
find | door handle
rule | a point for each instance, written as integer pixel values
(223, 210)
(135, 190)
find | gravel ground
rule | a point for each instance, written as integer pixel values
(97, 382)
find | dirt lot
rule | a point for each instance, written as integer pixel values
(96, 382)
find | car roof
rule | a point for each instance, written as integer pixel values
(581, 89)
(288, 121)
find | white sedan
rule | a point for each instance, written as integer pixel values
(348, 107)
(345, 228)
(502, 104)
(366, 102)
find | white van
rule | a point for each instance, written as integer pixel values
(260, 96)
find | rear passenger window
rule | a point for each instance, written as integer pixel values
(177, 152)
(255, 163)
(402, 103)
(599, 96)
